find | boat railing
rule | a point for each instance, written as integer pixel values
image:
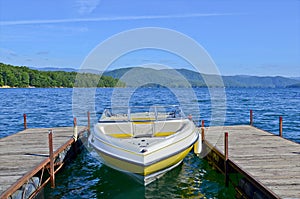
(142, 113)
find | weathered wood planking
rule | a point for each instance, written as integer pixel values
(23, 151)
(269, 159)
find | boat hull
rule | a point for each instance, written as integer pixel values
(142, 173)
(125, 165)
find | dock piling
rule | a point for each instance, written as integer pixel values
(89, 121)
(251, 117)
(25, 121)
(75, 133)
(226, 159)
(51, 156)
(280, 126)
(202, 131)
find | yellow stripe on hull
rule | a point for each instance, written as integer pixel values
(120, 135)
(142, 122)
(124, 135)
(163, 134)
(138, 169)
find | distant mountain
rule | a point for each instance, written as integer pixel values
(118, 72)
(255, 82)
(148, 77)
(54, 69)
(92, 71)
(170, 78)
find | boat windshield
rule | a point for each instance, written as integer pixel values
(142, 113)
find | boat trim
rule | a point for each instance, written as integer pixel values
(132, 152)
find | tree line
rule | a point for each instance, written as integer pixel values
(23, 77)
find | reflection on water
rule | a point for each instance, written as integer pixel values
(86, 177)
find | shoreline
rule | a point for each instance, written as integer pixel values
(5, 87)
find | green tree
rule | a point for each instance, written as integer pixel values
(11, 79)
(24, 79)
(1, 80)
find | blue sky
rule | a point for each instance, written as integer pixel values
(242, 37)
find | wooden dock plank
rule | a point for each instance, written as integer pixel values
(269, 159)
(23, 151)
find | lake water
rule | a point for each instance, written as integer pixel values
(87, 178)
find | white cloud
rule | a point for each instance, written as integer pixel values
(86, 6)
(120, 18)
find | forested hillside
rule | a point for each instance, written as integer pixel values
(15, 76)
(170, 78)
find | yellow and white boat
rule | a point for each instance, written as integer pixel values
(145, 144)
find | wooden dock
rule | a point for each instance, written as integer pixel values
(268, 163)
(265, 165)
(25, 155)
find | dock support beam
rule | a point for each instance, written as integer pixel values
(226, 158)
(51, 156)
(202, 131)
(25, 121)
(89, 121)
(280, 126)
(75, 133)
(251, 117)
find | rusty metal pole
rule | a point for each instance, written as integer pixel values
(226, 158)
(25, 121)
(280, 126)
(251, 117)
(202, 131)
(51, 156)
(226, 145)
(75, 132)
(89, 121)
